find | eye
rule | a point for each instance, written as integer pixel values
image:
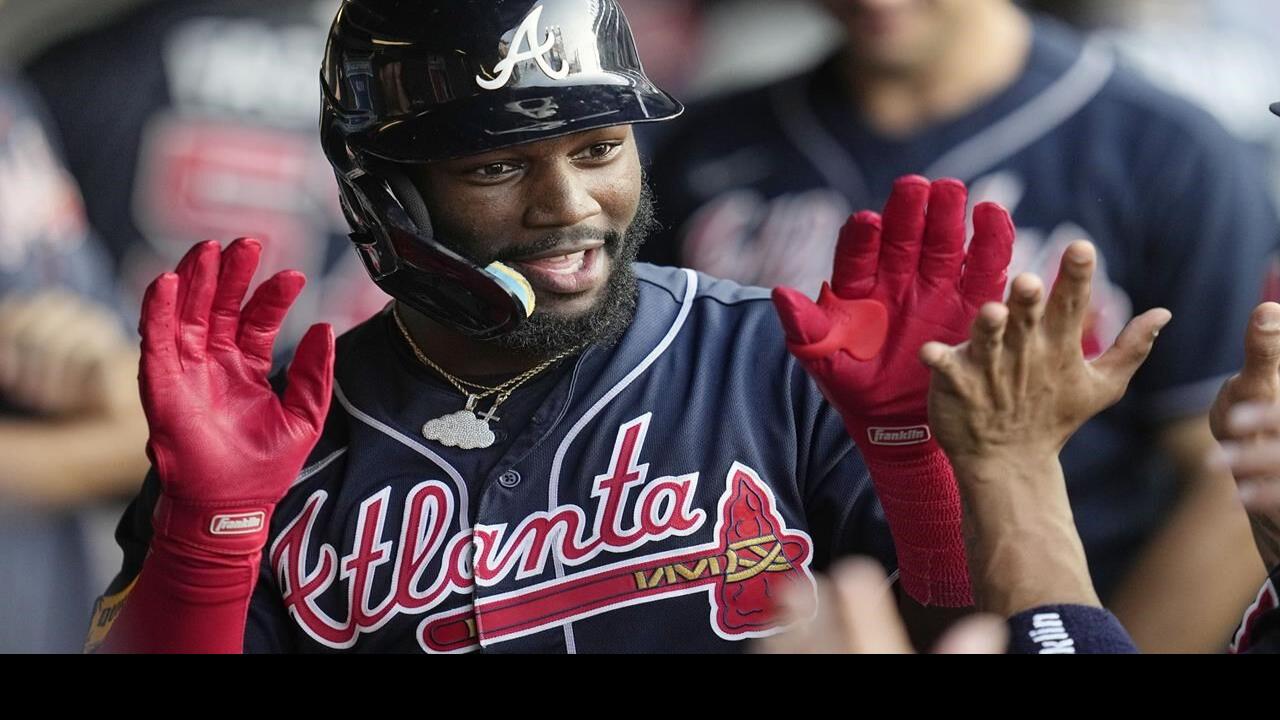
(495, 170)
(600, 151)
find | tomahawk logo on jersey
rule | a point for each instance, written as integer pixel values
(756, 186)
(653, 495)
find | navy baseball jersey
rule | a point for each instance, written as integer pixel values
(755, 187)
(651, 495)
(187, 120)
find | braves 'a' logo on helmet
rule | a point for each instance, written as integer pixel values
(525, 46)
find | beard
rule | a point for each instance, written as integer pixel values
(549, 334)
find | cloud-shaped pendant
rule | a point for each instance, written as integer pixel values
(461, 430)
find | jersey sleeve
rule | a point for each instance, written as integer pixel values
(133, 535)
(1210, 227)
(845, 516)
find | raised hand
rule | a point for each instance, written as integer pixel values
(1021, 384)
(901, 280)
(226, 448)
(218, 431)
(1245, 417)
(1002, 405)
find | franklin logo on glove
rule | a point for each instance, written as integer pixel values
(913, 435)
(242, 524)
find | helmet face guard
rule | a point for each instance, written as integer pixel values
(413, 82)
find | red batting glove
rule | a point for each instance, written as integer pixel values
(898, 283)
(226, 448)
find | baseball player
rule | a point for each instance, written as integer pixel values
(539, 446)
(753, 186)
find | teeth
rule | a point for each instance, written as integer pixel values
(563, 264)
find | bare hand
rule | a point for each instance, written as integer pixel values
(855, 613)
(1246, 419)
(1246, 415)
(1021, 385)
(1002, 406)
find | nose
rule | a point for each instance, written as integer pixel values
(559, 197)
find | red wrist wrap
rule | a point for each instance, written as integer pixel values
(203, 563)
(921, 501)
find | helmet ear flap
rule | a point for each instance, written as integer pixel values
(372, 244)
(406, 193)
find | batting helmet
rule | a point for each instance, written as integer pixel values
(418, 81)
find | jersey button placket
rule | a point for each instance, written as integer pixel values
(509, 479)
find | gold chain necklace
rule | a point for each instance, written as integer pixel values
(467, 428)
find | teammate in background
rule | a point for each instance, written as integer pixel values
(1246, 421)
(539, 446)
(203, 125)
(753, 186)
(71, 426)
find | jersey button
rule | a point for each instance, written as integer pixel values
(509, 479)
